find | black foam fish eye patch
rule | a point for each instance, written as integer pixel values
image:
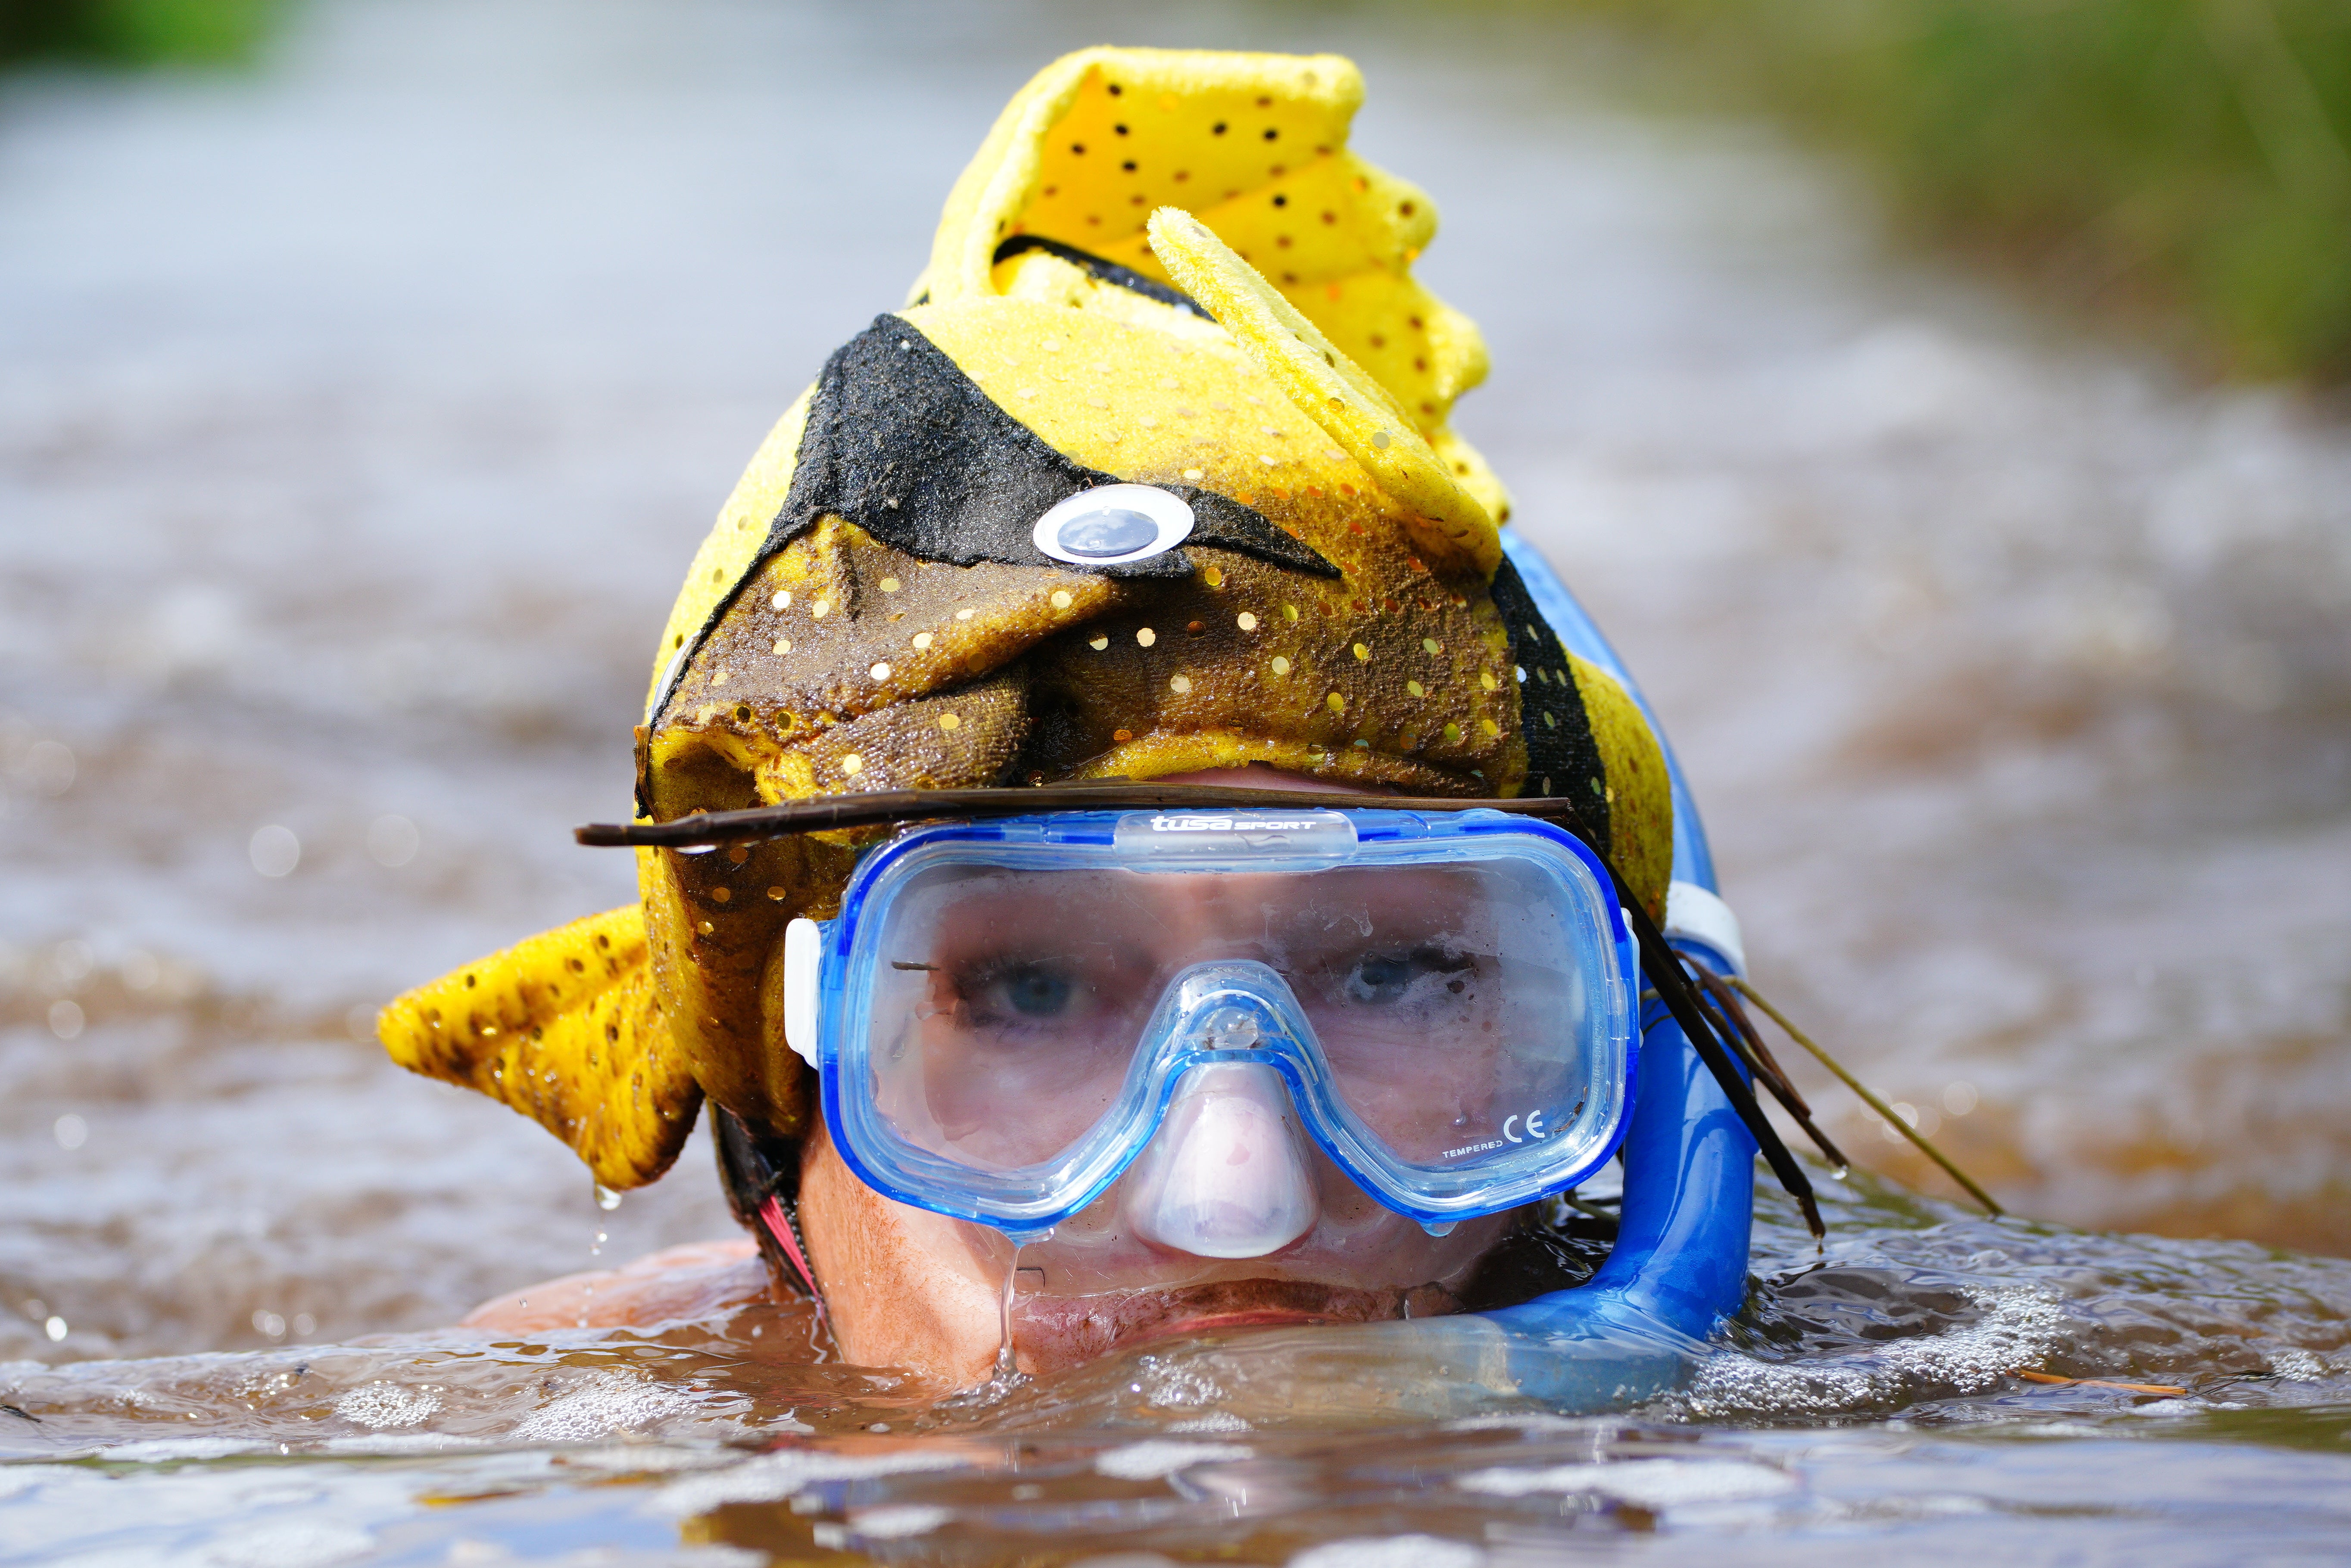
(1562, 755)
(901, 443)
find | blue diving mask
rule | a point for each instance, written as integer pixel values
(1009, 1015)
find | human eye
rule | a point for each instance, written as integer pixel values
(1392, 978)
(1011, 993)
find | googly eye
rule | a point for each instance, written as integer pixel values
(1114, 524)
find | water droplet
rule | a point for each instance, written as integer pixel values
(393, 841)
(606, 1198)
(274, 850)
(56, 1329)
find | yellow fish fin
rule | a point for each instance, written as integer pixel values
(1338, 394)
(566, 1028)
(1256, 145)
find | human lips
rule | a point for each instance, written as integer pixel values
(1062, 1330)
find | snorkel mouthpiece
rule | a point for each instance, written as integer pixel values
(1228, 1175)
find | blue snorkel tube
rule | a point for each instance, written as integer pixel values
(1679, 1266)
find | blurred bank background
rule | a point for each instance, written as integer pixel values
(1941, 403)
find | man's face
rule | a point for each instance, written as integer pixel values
(909, 1288)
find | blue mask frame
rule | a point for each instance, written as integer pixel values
(1030, 1201)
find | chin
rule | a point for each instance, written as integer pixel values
(1053, 1333)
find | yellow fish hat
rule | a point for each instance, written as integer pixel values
(1163, 268)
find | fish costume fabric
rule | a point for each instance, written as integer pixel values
(1163, 268)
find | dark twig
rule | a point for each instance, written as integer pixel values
(831, 813)
(1741, 1032)
(1664, 968)
(1880, 1106)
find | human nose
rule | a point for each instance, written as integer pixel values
(1227, 1173)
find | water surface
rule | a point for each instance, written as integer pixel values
(357, 419)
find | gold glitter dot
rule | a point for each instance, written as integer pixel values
(1121, 734)
(705, 927)
(1146, 636)
(778, 894)
(818, 610)
(851, 762)
(1213, 575)
(950, 721)
(880, 672)
(1431, 644)
(963, 614)
(784, 645)
(720, 895)
(1362, 653)
(1099, 643)
(1486, 679)
(1452, 732)
(1246, 621)
(782, 600)
(1416, 688)
(1281, 666)
(1336, 703)
(1179, 683)
(1060, 599)
(890, 585)
(923, 640)
(1195, 474)
(739, 854)
(1290, 612)
(1487, 727)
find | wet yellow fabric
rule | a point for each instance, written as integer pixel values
(839, 663)
(569, 1029)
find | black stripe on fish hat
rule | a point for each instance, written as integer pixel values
(1562, 755)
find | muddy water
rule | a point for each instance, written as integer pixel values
(358, 419)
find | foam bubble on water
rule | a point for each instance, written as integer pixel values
(2019, 1328)
(168, 1451)
(1157, 1459)
(899, 1521)
(1653, 1484)
(382, 1405)
(772, 1478)
(2297, 1365)
(598, 1405)
(389, 1444)
(1215, 1421)
(1391, 1551)
(1528, 1421)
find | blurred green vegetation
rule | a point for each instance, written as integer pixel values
(134, 32)
(2180, 165)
